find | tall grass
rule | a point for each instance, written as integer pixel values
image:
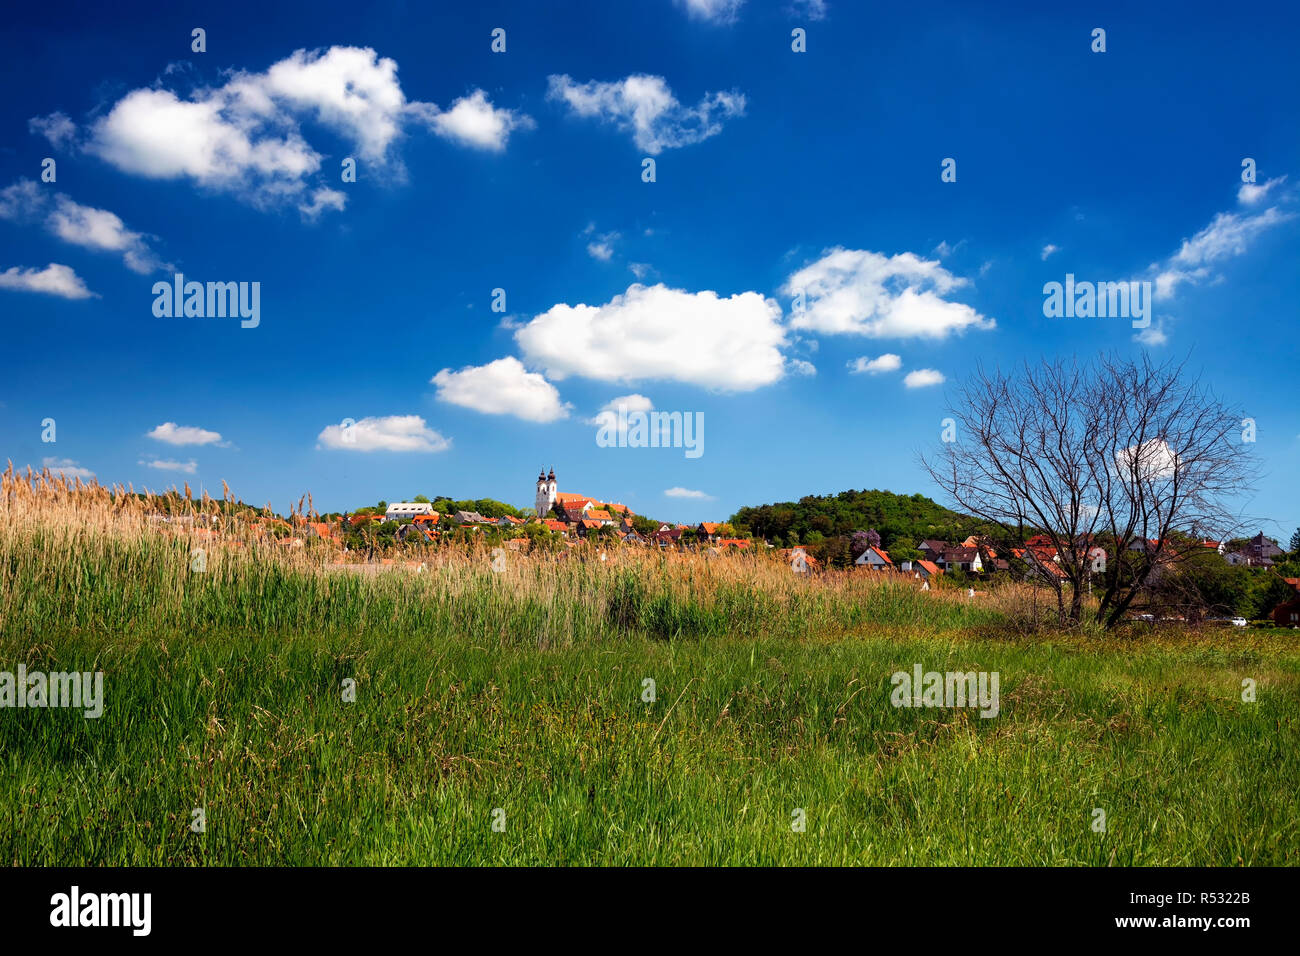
(82, 560)
(521, 698)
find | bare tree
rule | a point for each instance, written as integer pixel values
(1117, 462)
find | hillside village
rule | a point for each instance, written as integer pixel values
(563, 518)
(562, 521)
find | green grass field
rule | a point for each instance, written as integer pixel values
(523, 693)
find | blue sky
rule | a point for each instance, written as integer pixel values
(522, 171)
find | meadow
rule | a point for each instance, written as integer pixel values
(460, 716)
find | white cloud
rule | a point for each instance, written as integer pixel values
(503, 387)
(607, 417)
(103, 230)
(244, 137)
(640, 269)
(322, 199)
(658, 333)
(866, 293)
(25, 201)
(1252, 194)
(601, 247)
(216, 141)
(923, 378)
(1228, 236)
(170, 464)
(713, 11)
(801, 367)
(812, 9)
(1152, 335)
(889, 362)
(388, 433)
(1168, 280)
(1151, 460)
(58, 128)
(67, 467)
(352, 90)
(174, 434)
(474, 121)
(54, 279)
(1048, 250)
(680, 492)
(646, 107)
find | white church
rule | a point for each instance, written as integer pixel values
(577, 506)
(546, 493)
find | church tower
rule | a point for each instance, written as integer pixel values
(546, 493)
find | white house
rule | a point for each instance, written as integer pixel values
(875, 559)
(407, 509)
(961, 559)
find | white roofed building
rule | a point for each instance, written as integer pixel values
(407, 509)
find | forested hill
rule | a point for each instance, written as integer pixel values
(901, 520)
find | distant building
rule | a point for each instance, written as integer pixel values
(407, 509)
(877, 559)
(576, 508)
(546, 493)
(961, 559)
(932, 549)
(926, 569)
(1258, 552)
(1287, 614)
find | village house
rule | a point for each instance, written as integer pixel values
(1148, 545)
(1287, 614)
(931, 549)
(924, 569)
(1044, 563)
(961, 559)
(407, 509)
(800, 559)
(739, 544)
(875, 559)
(667, 537)
(1258, 552)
